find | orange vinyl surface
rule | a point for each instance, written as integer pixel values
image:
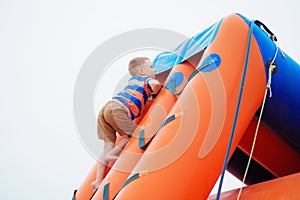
(185, 158)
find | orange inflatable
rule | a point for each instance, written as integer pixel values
(179, 147)
(185, 158)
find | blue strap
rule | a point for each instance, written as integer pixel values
(196, 71)
(209, 64)
(142, 144)
(105, 192)
(236, 109)
(130, 180)
(170, 118)
(141, 138)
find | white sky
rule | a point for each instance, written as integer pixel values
(43, 45)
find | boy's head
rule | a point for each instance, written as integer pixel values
(141, 66)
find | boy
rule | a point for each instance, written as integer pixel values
(118, 114)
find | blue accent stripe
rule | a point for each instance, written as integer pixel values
(198, 70)
(130, 180)
(236, 110)
(131, 98)
(172, 117)
(105, 192)
(133, 116)
(141, 138)
(142, 144)
(212, 61)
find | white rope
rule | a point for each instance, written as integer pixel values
(282, 53)
(271, 68)
(268, 87)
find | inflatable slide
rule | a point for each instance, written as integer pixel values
(218, 85)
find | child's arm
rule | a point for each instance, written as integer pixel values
(155, 86)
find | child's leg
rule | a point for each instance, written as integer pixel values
(115, 152)
(102, 163)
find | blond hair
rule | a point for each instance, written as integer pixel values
(135, 63)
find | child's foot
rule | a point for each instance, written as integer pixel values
(95, 184)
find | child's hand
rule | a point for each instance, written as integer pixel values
(95, 184)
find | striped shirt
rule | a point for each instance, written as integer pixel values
(135, 95)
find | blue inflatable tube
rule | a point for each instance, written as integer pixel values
(282, 110)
